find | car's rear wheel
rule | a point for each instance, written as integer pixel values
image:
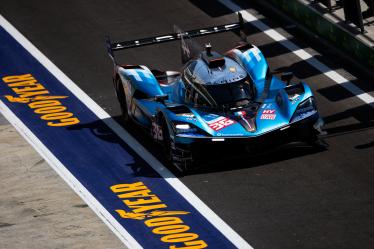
(121, 96)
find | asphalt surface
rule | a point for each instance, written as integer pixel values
(292, 198)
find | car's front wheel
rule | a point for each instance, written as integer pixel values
(313, 137)
(317, 142)
(182, 158)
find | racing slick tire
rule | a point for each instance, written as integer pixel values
(181, 158)
(121, 96)
(317, 142)
(313, 138)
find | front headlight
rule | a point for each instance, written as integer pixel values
(188, 130)
(305, 109)
(184, 128)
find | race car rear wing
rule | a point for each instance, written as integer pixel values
(116, 46)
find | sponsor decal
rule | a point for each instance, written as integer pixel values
(240, 113)
(232, 135)
(31, 92)
(268, 114)
(294, 98)
(144, 206)
(267, 106)
(210, 116)
(232, 69)
(188, 116)
(185, 48)
(220, 123)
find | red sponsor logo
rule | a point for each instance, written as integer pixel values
(268, 114)
(220, 123)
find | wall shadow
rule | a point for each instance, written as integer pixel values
(302, 69)
(365, 146)
(211, 7)
(363, 114)
(335, 93)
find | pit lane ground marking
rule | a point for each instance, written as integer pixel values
(301, 53)
(88, 198)
(108, 219)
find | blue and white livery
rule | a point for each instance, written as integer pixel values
(215, 102)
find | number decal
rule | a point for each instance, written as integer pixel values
(220, 123)
(157, 132)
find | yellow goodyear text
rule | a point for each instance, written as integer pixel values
(29, 91)
(147, 207)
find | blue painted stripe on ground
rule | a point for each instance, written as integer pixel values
(94, 154)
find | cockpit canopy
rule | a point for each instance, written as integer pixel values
(216, 81)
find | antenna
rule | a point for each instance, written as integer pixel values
(208, 49)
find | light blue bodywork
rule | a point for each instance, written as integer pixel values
(142, 87)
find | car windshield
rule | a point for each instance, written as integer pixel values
(231, 94)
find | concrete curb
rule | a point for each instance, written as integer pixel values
(330, 31)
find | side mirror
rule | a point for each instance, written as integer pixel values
(161, 98)
(287, 77)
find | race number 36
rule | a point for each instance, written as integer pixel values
(220, 123)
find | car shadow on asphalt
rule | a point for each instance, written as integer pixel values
(246, 161)
(227, 162)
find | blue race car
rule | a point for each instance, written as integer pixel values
(216, 102)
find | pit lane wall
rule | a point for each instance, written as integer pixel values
(338, 36)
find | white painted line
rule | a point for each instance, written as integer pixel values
(338, 79)
(100, 211)
(301, 53)
(275, 35)
(174, 182)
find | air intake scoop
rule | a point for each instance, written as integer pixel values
(212, 59)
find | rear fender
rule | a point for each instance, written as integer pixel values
(140, 78)
(252, 60)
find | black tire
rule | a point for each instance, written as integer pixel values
(167, 142)
(314, 140)
(121, 96)
(318, 143)
(174, 154)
